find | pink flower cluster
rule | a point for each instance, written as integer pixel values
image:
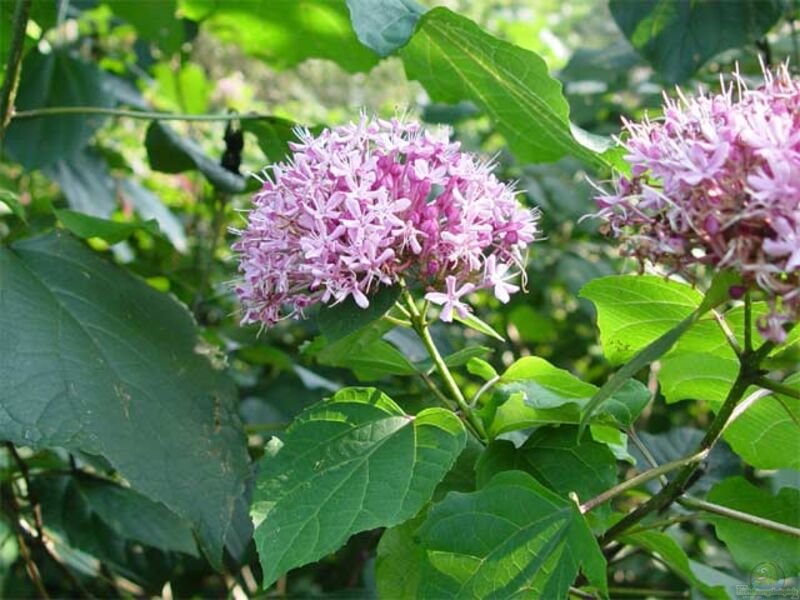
(716, 181)
(366, 204)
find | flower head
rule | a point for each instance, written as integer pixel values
(716, 182)
(368, 203)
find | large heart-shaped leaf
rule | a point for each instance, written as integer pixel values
(284, 33)
(48, 80)
(351, 463)
(767, 434)
(636, 310)
(678, 36)
(555, 457)
(512, 538)
(456, 60)
(95, 360)
(749, 544)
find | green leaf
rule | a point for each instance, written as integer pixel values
(766, 435)
(650, 313)
(678, 36)
(384, 25)
(476, 324)
(336, 322)
(72, 502)
(634, 311)
(614, 438)
(86, 226)
(512, 538)
(169, 152)
(400, 558)
(480, 368)
(749, 544)
(183, 90)
(678, 442)
(351, 463)
(284, 33)
(456, 60)
(646, 356)
(273, 135)
(154, 21)
(95, 360)
(11, 200)
(675, 558)
(45, 140)
(697, 376)
(85, 182)
(150, 206)
(557, 459)
(532, 390)
(366, 353)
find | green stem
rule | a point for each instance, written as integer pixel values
(648, 456)
(133, 114)
(423, 331)
(727, 331)
(663, 523)
(748, 373)
(396, 321)
(641, 478)
(748, 322)
(437, 392)
(483, 389)
(778, 388)
(8, 93)
(644, 593)
(738, 515)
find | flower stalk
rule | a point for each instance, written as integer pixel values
(420, 326)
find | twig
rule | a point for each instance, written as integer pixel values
(26, 477)
(11, 505)
(663, 523)
(8, 93)
(779, 388)
(644, 593)
(581, 594)
(748, 373)
(40, 538)
(642, 478)
(134, 114)
(737, 515)
(651, 460)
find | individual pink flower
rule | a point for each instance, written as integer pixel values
(370, 203)
(716, 182)
(498, 277)
(451, 301)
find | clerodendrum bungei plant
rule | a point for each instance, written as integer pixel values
(380, 224)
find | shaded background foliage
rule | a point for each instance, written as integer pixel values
(131, 510)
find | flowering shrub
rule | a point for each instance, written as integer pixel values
(369, 204)
(716, 182)
(219, 386)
